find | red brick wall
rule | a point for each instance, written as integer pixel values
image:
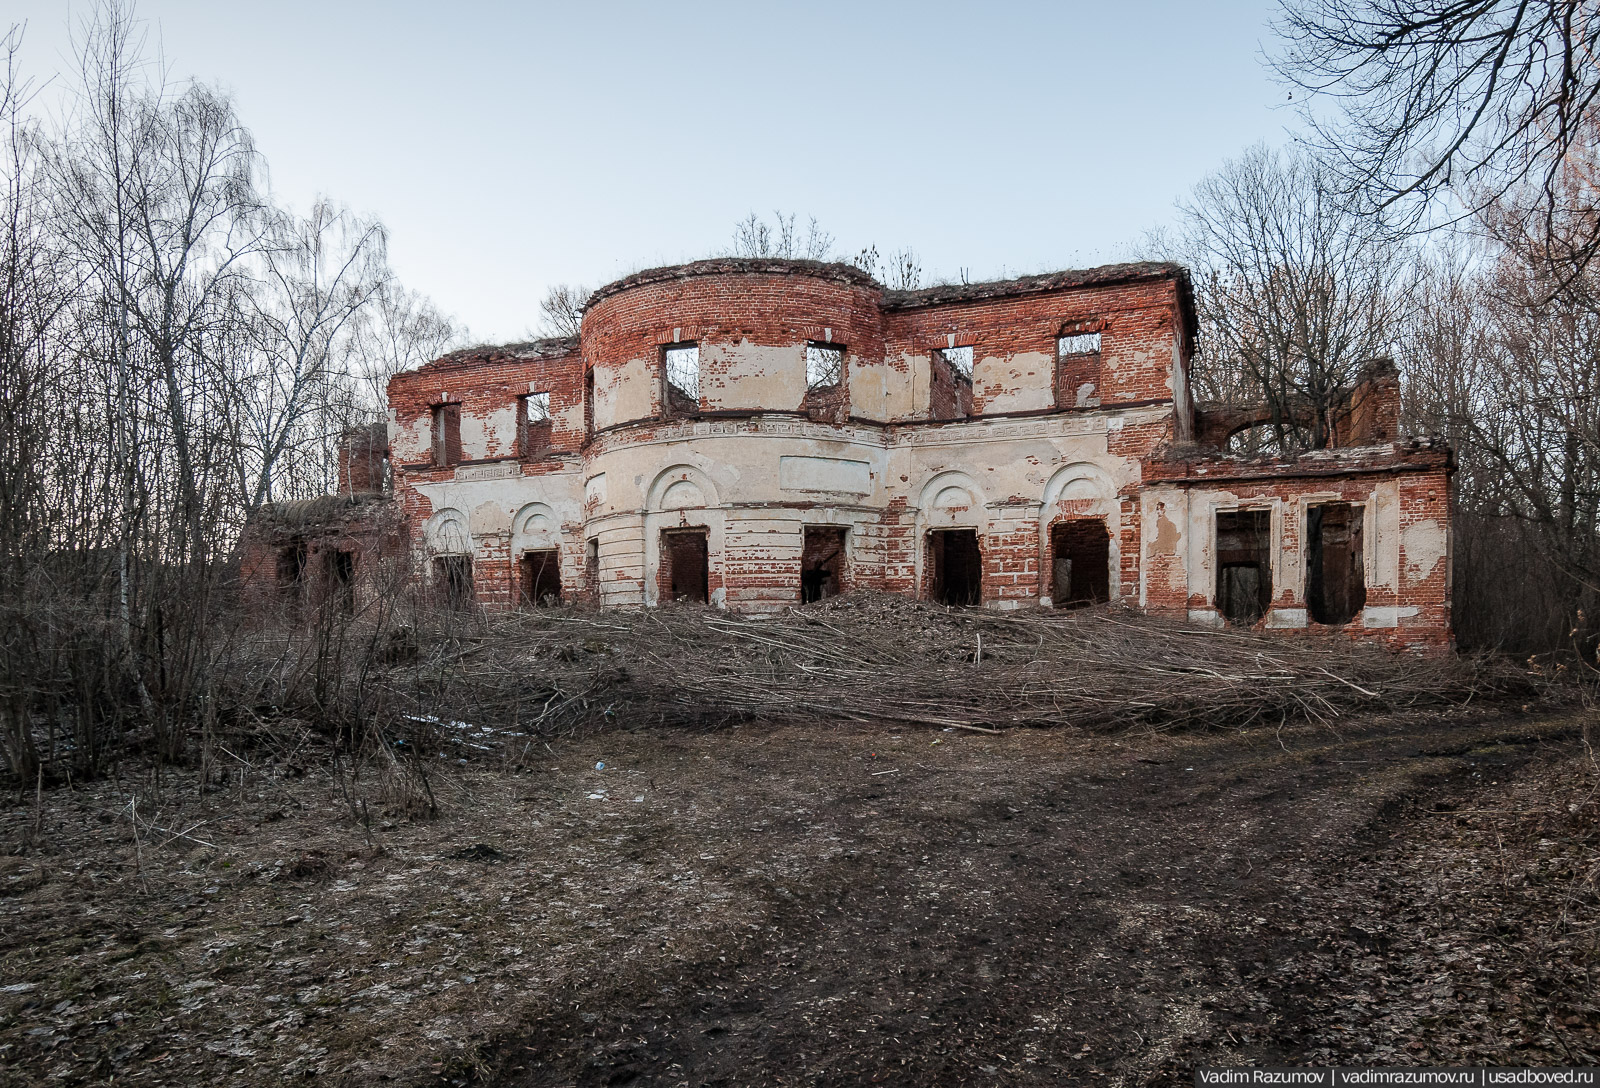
(489, 381)
(1137, 322)
(765, 309)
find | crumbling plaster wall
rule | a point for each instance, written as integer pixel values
(1404, 513)
(751, 326)
(755, 476)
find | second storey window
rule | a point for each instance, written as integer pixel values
(680, 365)
(1081, 343)
(1078, 374)
(446, 434)
(959, 360)
(533, 424)
(824, 365)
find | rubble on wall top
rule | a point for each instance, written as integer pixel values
(1206, 459)
(1103, 276)
(320, 512)
(836, 271)
(552, 347)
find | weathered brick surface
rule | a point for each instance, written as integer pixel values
(897, 450)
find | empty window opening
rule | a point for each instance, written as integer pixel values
(959, 360)
(824, 365)
(339, 572)
(1080, 563)
(957, 566)
(950, 395)
(685, 566)
(541, 578)
(1077, 368)
(533, 424)
(1268, 440)
(292, 570)
(1336, 585)
(446, 434)
(821, 563)
(588, 404)
(452, 580)
(1079, 343)
(591, 565)
(1244, 565)
(680, 366)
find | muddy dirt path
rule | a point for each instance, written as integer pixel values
(830, 907)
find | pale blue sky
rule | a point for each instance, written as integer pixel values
(512, 146)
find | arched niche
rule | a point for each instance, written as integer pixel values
(1081, 480)
(535, 526)
(952, 499)
(447, 534)
(681, 487)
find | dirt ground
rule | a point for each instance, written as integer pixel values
(821, 907)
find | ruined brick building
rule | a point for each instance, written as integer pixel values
(757, 433)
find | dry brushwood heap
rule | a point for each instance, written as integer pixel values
(876, 658)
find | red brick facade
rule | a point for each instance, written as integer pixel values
(901, 449)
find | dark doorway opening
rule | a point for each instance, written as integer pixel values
(340, 578)
(452, 580)
(685, 565)
(821, 563)
(292, 570)
(591, 566)
(1336, 584)
(1244, 565)
(1080, 563)
(957, 566)
(541, 578)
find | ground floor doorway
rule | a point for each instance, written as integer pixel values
(955, 566)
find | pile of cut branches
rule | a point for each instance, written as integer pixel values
(877, 658)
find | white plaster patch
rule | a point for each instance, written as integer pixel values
(1207, 617)
(594, 488)
(1425, 543)
(489, 519)
(824, 474)
(1024, 382)
(683, 495)
(1287, 619)
(1387, 615)
(746, 375)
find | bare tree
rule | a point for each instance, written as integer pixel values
(399, 330)
(318, 276)
(561, 312)
(1295, 292)
(900, 271)
(754, 237)
(1457, 99)
(174, 352)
